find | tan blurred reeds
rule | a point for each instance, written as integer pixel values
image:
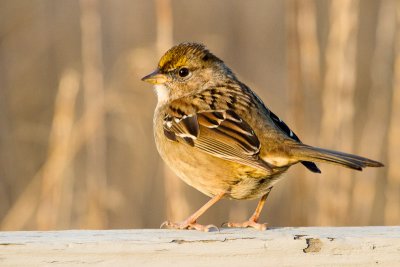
(338, 109)
(96, 172)
(329, 68)
(41, 198)
(392, 210)
(374, 132)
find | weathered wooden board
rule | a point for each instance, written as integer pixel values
(308, 246)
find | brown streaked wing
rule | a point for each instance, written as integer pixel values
(225, 135)
(222, 134)
(187, 128)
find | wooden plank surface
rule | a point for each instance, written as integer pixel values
(307, 246)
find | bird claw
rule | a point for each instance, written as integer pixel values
(188, 225)
(250, 223)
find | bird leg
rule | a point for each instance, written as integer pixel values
(253, 221)
(191, 222)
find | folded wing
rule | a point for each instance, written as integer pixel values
(222, 134)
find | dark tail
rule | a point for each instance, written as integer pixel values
(309, 153)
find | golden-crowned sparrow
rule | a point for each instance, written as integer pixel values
(217, 135)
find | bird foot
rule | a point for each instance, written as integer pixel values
(189, 225)
(250, 223)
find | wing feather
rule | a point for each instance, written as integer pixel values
(220, 133)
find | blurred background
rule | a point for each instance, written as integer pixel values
(76, 143)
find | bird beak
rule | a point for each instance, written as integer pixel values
(155, 77)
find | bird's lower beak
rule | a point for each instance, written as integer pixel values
(155, 77)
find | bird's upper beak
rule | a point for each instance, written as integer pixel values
(156, 77)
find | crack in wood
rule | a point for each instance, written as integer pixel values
(182, 241)
(314, 245)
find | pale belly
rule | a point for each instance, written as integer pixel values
(212, 175)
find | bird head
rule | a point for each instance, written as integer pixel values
(185, 69)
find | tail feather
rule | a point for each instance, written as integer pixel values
(309, 153)
(311, 166)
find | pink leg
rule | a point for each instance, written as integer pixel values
(190, 223)
(253, 221)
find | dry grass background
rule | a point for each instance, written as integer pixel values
(76, 146)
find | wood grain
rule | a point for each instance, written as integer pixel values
(308, 246)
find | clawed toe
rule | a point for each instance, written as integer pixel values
(249, 223)
(189, 225)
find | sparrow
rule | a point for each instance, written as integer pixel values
(219, 137)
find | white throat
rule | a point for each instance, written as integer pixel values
(162, 93)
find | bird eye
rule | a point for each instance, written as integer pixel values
(183, 72)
